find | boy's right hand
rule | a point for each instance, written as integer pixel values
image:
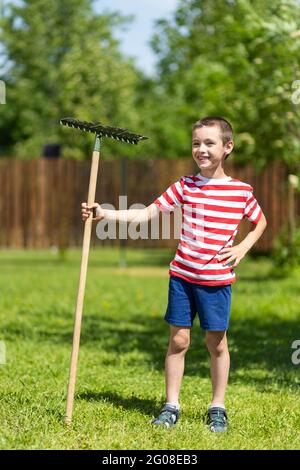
(94, 208)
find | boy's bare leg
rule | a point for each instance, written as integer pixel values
(174, 363)
(216, 342)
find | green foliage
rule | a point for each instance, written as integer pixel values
(62, 61)
(238, 59)
(286, 251)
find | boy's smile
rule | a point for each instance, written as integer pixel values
(209, 151)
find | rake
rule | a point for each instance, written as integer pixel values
(100, 131)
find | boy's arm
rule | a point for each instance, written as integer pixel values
(130, 215)
(237, 252)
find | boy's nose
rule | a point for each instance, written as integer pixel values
(202, 149)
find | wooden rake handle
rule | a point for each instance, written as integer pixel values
(82, 282)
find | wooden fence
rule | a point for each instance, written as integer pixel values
(40, 199)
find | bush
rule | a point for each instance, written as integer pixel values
(286, 251)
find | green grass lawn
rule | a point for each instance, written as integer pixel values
(120, 379)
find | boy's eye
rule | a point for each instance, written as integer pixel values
(208, 144)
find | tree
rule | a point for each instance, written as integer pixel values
(62, 60)
(239, 59)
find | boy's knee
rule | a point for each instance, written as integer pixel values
(180, 341)
(216, 344)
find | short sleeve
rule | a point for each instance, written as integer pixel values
(252, 210)
(171, 198)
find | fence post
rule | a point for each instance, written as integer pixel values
(293, 183)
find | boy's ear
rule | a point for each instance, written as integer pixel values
(229, 147)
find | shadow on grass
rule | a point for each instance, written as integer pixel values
(144, 406)
(260, 347)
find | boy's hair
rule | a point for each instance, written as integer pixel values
(224, 126)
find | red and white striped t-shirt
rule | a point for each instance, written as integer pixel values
(211, 212)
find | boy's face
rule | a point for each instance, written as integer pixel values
(208, 149)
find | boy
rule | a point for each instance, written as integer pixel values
(202, 271)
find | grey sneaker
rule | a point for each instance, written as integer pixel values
(217, 419)
(168, 416)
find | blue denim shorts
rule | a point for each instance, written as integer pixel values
(212, 303)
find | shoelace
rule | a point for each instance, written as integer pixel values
(217, 418)
(167, 415)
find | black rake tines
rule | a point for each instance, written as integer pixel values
(104, 131)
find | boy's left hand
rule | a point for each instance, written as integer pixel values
(234, 254)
